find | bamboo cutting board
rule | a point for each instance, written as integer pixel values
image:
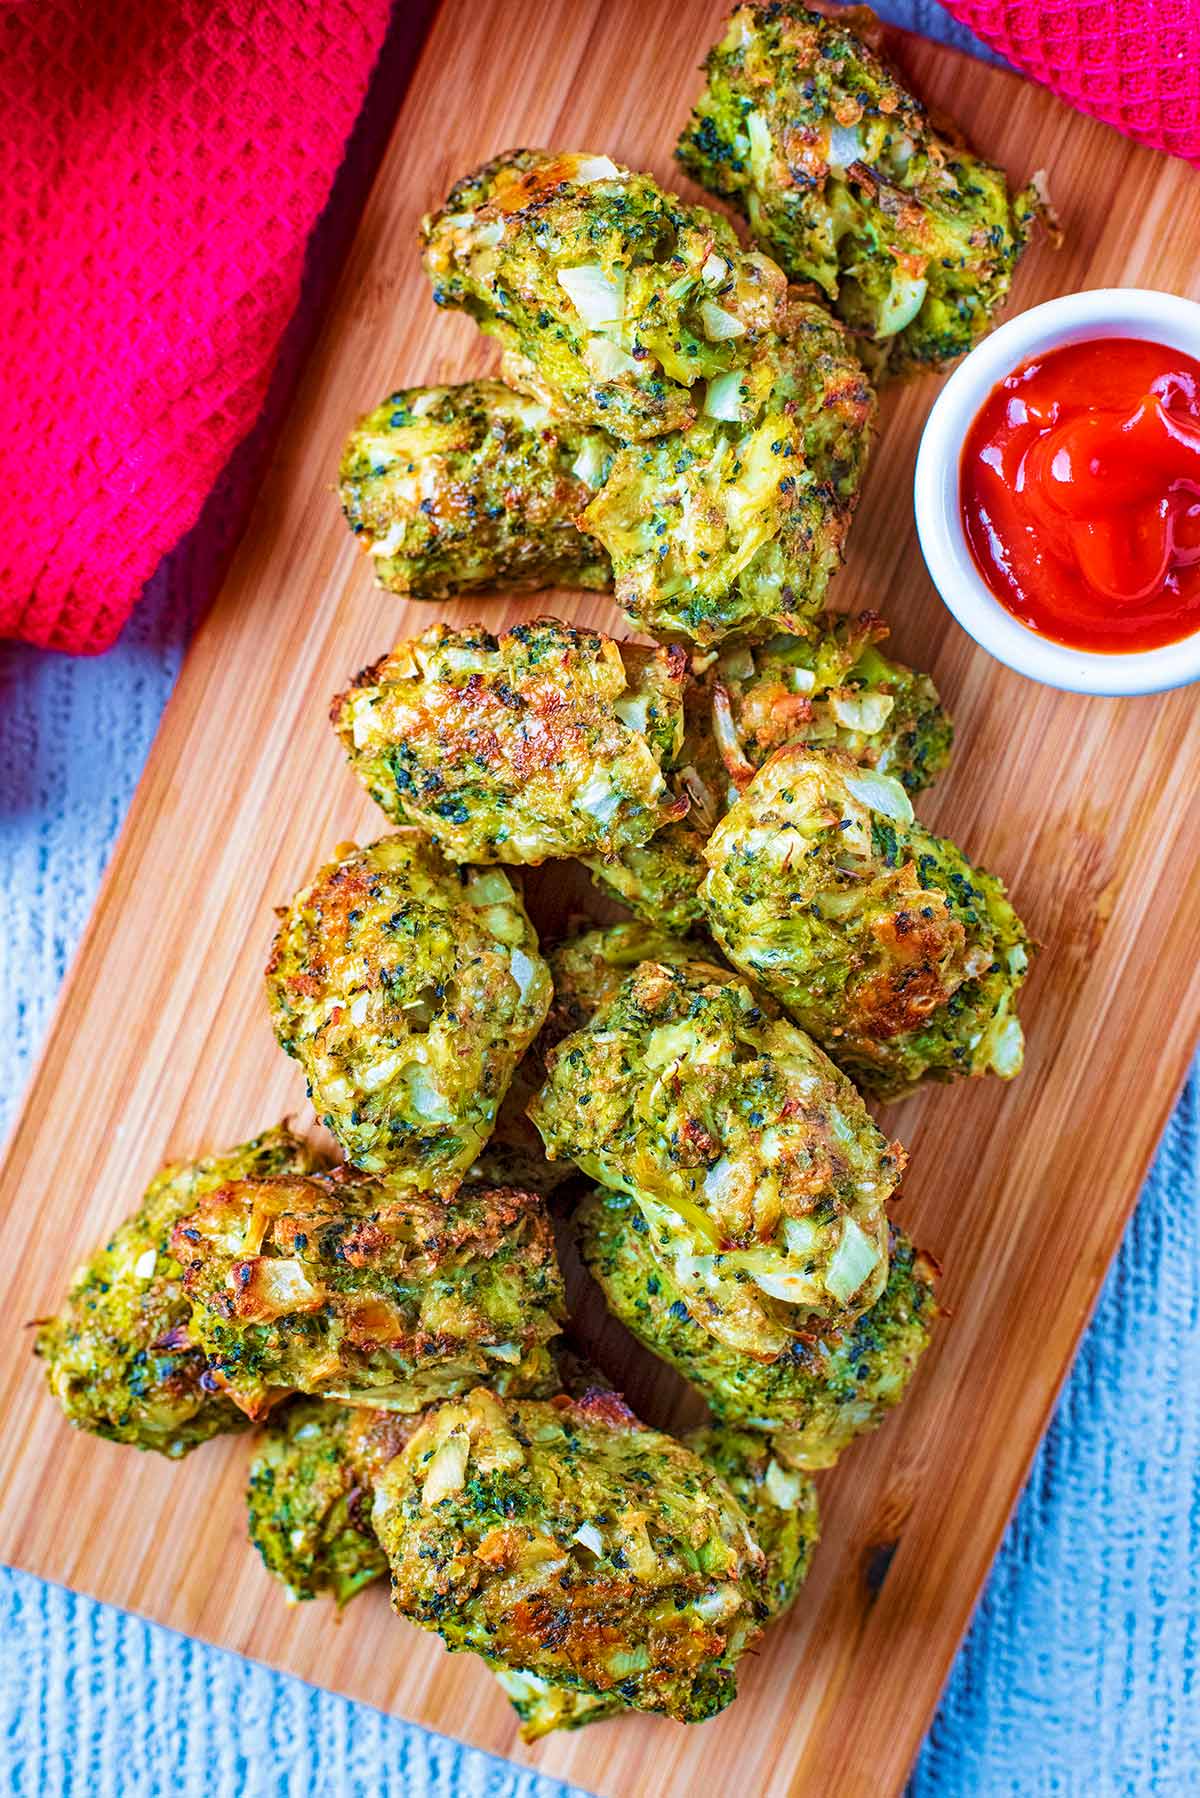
(162, 1048)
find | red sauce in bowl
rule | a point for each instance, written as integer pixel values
(1080, 494)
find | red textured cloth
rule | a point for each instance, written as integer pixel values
(1133, 63)
(162, 163)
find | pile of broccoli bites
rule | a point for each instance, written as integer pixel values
(686, 421)
(843, 177)
(673, 419)
(680, 417)
(832, 687)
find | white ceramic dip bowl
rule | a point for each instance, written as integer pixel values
(1074, 318)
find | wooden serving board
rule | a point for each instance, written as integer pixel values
(161, 1045)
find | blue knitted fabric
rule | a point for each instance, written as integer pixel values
(1080, 1672)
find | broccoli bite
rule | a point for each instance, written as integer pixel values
(660, 880)
(824, 1390)
(737, 523)
(543, 1707)
(589, 968)
(352, 1287)
(473, 488)
(755, 1162)
(832, 686)
(780, 1503)
(845, 180)
(514, 1154)
(310, 1492)
(780, 1506)
(835, 688)
(408, 990)
(616, 304)
(548, 740)
(310, 1496)
(118, 1356)
(565, 1540)
(883, 941)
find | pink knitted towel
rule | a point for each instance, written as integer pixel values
(162, 163)
(1133, 63)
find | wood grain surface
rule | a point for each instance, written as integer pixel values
(161, 1045)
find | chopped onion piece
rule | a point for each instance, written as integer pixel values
(977, 961)
(589, 1536)
(881, 794)
(524, 971)
(771, 1145)
(800, 1235)
(759, 134)
(905, 298)
(704, 803)
(596, 797)
(723, 399)
(606, 361)
(738, 766)
(591, 463)
(489, 888)
(279, 1286)
(490, 234)
(1006, 1046)
(840, 905)
(720, 1180)
(721, 1601)
(845, 147)
(634, 1539)
(793, 1289)
(447, 1470)
(633, 709)
(597, 297)
(715, 269)
(738, 663)
(783, 1485)
(518, 1683)
(852, 1263)
(719, 324)
(865, 712)
(425, 1097)
(597, 168)
(624, 1661)
(669, 1042)
(389, 543)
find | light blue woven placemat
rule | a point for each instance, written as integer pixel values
(1080, 1673)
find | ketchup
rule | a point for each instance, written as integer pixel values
(1080, 490)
